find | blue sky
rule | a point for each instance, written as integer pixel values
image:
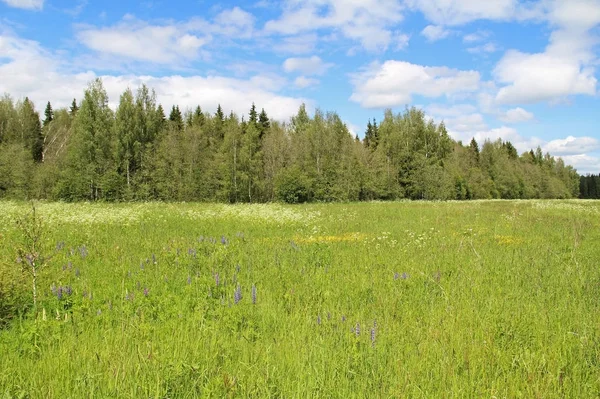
(524, 71)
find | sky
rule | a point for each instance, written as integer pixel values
(524, 71)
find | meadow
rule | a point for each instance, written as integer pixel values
(481, 299)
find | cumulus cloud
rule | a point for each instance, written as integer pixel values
(572, 145)
(584, 163)
(25, 4)
(458, 12)
(138, 40)
(435, 32)
(516, 115)
(394, 83)
(308, 66)
(34, 72)
(565, 68)
(369, 21)
(303, 82)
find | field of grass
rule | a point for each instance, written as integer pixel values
(408, 299)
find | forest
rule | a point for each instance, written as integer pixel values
(89, 152)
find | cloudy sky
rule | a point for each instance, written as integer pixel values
(524, 71)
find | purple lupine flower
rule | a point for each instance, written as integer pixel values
(189, 280)
(343, 318)
(294, 246)
(328, 316)
(99, 312)
(192, 252)
(396, 276)
(357, 329)
(70, 265)
(59, 293)
(77, 273)
(223, 240)
(238, 267)
(319, 319)
(154, 259)
(142, 265)
(64, 267)
(405, 276)
(53, 289)
(60, 245)
(126, 296)
(68, 290)
(29, 259)
(201, 238)
(237, 296)
(83, 251)
(373, 336)
(146, 291)
(85, 294)
(437, 276)
(253, 294)
(19, 259)
(217, 279)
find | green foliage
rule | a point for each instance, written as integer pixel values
(88, 153)
(292, 186)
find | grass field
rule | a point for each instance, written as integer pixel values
(406, 299)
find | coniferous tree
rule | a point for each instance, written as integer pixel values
(49, 114)
(74, 108)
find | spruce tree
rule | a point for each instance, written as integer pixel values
(176, 118)
(74, 108)
(49, 114)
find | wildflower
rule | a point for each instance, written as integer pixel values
(237, 296)
(405, 276)
(357, 329)
(68, 290)
(343, 318)
(99, 312)
(201, 238)
(154, 259)
(77, 273)
(192, 252)
(223, 240)
(53, 289)
(328, 316)
(396, 276)
(238, 267)
(83, 251)
(217, 279)
(146, 291)
(319, 319)
(59, 293)
(253, 294)
(189, 280)
(60, 245)
(373, 336)
(142, 265)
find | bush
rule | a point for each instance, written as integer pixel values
(292, 186)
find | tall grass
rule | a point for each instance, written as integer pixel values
(476, 299)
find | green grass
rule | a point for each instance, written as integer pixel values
(501, 299)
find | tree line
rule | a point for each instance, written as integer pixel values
(88, 152)
(589, 186)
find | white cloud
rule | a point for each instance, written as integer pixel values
(516, 115)
(565, 68)
(466, 123)
(572, 145)
(401, 40)
(476, 36)
(308, 66)
(486, 48)
(138, 40)
(299, 44)
(541, 77)
(303, 82)
(26, 4)
(457, 12)
(504, 133)
(444, 111)
(32, 71)
(584, 163)
(435, 32)
(366, 21)
(395, 82)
